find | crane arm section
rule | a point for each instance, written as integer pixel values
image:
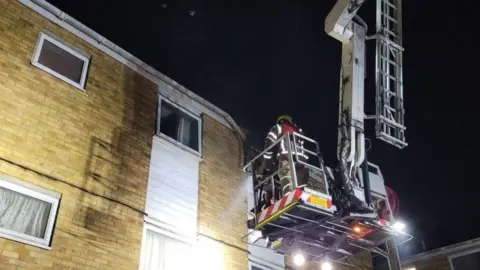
(338, 22)
(340, 25)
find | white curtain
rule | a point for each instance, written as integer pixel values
(164, 253)
(23, 214)
(184, 131)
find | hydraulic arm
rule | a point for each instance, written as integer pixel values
(343, 24)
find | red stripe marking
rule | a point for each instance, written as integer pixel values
(329, 204)
(269, 211)
(283, 201)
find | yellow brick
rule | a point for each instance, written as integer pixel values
(52, 127)
(221, 168)
(10, 254)
(17, 262)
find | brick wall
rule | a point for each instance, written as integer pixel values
(222, 203)
(99, 140)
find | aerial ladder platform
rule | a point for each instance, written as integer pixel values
(315, 219)
(310, 219)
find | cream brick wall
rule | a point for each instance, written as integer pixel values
(99, 140)
(222, 207)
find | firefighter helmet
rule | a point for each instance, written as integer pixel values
(285, 118)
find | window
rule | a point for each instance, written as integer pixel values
(179, 125)
(161, 252)
(27, 212)
(469, 260)
(61, 61)
(256, 266)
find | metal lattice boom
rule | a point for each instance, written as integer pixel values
(390, 126)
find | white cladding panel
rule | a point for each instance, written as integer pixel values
(172, 194)
(377, 184)
(260, 255)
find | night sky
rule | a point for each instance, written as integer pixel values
(259, 59)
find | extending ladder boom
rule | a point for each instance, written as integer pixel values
(390, 111)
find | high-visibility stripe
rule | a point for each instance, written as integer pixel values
(278, 206)
(272, 135)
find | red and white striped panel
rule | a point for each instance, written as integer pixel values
(279, 205)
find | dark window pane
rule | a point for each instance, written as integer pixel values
(179, 126)
(61, 61)
(255, 268)
(467, 262)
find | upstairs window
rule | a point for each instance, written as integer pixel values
(177, 124)
(27, 212)
(61, 61)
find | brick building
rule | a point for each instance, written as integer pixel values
(105, 163)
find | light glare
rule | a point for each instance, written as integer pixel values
(326, 266)
(399, 226)
(298, 259)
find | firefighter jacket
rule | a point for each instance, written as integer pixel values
(278, 131)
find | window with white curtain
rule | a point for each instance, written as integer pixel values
(27, 212)
(162, 252)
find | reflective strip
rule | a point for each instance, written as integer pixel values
(272, 135)
(299, 154)
(265, 156)
(286, 186)
(279, 205)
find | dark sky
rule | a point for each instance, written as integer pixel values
(259, 59)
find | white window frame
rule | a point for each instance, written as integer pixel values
(70, 49)
(38, 193)
(171, 140)
(461, 254)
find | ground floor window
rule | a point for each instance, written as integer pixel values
(163, 251)
(27, 212)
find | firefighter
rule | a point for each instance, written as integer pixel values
(279, 156)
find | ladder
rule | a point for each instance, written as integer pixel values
(390, 112)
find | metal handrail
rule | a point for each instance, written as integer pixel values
(288, 138)
(317, 154)
(249, 164)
